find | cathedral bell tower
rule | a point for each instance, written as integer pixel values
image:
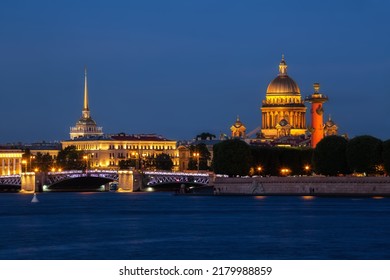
(317, 114)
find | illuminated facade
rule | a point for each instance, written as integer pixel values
(86, 126)
(283, 110)
(317, 115)
(10, 162)
(105, 152)
(238, 129)
(330, 128)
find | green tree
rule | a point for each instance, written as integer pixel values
(164, 162)
(273, 159)
(364, 154)
(127, 164)
(386, 155)
(71, 159)
(330, 156)
(43, 162)
(26, 159)
(199, 153)
(232, 157)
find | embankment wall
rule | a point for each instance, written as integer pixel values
(306, 185)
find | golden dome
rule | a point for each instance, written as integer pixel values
(283, 84)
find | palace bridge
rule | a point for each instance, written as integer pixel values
(102, 180)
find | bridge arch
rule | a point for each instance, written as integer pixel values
(79, 180)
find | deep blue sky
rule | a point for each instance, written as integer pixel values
(178, 68)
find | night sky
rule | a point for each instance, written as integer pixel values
(179, 68)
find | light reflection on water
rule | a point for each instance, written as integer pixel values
(165, 226)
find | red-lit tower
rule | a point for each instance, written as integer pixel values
(317, 112)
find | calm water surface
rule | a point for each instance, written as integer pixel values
(164, 226)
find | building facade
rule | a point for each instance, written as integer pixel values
(330, 128)
(238, 129)
(106, 152)
(11, 162)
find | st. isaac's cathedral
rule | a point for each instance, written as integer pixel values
(283, 114)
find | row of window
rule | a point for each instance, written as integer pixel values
(140, 147)
(132, 155)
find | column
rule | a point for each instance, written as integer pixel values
(300, 120)
(14, 166)
(262, 120)
(2, 166)
(20, 166)
(8, 170)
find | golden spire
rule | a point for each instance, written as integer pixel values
(85, 89)
(86, 113)
(282, 67)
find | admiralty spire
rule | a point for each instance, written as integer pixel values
(85, 126)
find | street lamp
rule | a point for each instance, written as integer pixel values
(259, 169)
(285, 171)
(136, 158)
(143, 161)
(307, 168)
(86, 162)
(197, 156)
(24, 162)
(31, 158)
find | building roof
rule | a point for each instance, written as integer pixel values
(283, 84)
(124, 137)
(139, 137)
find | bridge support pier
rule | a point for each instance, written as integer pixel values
(128, 181)
(27, 182)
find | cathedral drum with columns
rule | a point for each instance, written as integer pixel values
(283, 110)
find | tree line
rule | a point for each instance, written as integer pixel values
(333, 156)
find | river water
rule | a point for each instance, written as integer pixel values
(164, 226)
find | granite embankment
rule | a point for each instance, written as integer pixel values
(306, 185)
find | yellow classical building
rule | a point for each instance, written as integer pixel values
(10, 161)
(105, 152)
(283, 110)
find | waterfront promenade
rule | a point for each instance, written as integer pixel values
(305, 185)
